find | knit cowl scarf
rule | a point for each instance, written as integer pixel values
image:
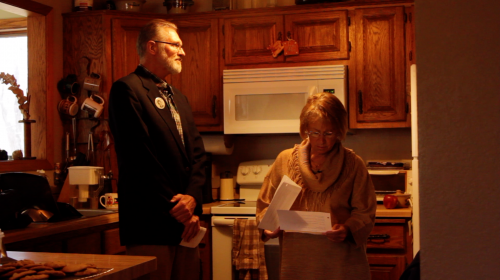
(316, 188)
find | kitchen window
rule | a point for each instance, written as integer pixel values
(14, 61)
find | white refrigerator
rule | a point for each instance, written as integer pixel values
(414, 153)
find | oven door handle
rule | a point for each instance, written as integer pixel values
(228, 222)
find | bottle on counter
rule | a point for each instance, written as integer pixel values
(83, 5)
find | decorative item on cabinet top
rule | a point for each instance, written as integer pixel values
(129, 5)
(178, 6)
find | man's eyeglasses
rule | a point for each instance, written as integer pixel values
(315, 134)
(177, 45)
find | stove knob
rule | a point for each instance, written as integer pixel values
(245, 170)
(257, 170)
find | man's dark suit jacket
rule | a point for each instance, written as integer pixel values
(153, 163)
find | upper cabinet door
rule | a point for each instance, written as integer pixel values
(199, 79)
(378, 98)
(247, 39)
(320, 36)
(124, 38)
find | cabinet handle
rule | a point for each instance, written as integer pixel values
(289, 35)
(360, 101)
(214, 107)
(379, 238)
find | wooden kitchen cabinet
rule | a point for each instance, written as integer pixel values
(389, 248)
(320, 36)
(379, 96)
(388, 267)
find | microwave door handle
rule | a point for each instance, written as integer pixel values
(313, 90)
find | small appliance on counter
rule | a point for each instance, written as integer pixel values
(87, 178)
(26, 198)
(390, 176)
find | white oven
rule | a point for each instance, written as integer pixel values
(269, 100)
(250, 177)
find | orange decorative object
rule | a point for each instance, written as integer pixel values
(291, 47)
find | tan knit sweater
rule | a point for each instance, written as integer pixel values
(344, 190)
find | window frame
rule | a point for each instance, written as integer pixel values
(39, 22)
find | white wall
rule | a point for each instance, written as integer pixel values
(458, 58)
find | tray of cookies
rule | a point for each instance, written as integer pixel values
(29, 270)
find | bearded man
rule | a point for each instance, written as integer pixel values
(161, 157)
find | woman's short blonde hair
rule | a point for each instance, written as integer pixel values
(324, 106)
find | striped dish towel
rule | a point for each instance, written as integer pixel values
(248, 250)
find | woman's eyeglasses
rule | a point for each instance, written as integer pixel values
(176, 45)
(315, 134)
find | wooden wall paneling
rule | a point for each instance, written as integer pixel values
(84, 50)
(320, 35)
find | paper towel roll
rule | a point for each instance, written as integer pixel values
(215, 144)
(226, 189)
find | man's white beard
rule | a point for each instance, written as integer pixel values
(173, 66)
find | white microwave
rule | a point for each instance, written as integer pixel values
(269, 100)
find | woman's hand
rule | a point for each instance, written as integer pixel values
(338, 233)
(270, 234)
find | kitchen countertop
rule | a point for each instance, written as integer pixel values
(36, 230)
(382, 212)
(124, 267)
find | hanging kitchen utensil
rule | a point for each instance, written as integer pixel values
(80, 158)
(291, 47)
(90, 150)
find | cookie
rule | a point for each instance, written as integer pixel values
(53, 273)
(55, 265)
(20, 275)
(29, 266)
(86, 272)
(40, 267)
(72, 268)
(5, 269)
(35, 277)
(10, 273)
(20, 263)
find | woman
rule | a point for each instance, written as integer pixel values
(333, 180)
